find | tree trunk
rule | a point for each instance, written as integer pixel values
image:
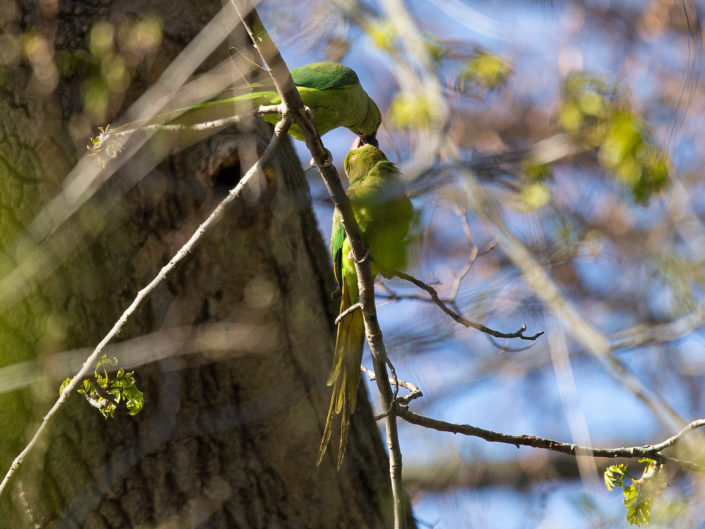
(232, 352)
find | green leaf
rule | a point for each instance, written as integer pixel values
(121, 388)
(640, 495)
(614, 476)
(486, 71)
(597, 116)
(638, 506)
(383, 35)
(536, 195)
(650, 464)
(414, 111)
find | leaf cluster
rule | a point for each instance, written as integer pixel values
(639, 496)
(106, 393)
(486, 70)
(596, 115)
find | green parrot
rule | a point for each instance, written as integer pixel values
(383, 213)
(333, 93)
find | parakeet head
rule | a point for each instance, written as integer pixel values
(367, 130)
(360, 160)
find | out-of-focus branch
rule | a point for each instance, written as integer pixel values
(111, 140)
(660, 333)
(692, 231)
(292, 102)
(474, 254)
(454, 472)
(493, 167)
(88, 176)
(421, 82)
(594, 342)
(207, 339)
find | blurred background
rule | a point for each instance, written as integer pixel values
(581, 121)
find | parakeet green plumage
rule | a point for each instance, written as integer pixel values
(333, 93)
(383, 213)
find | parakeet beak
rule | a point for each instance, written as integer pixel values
(372, 140)
(365, 140)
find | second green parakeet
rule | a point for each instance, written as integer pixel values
(383, 213)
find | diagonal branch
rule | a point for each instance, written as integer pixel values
(87, 176)
(216, 215)
(536, 278)
(110, 141)
(290, 98)
(659, 333)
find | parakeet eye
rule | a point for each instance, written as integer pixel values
(353, 157)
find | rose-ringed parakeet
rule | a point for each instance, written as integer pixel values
(330, 90)
(333, 93)
(383, 213)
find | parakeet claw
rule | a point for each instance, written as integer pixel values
(327, 161)
(363, 258)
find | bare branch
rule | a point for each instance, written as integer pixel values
(459, 319)
(471, 259)
(110, 141)
(651, 451)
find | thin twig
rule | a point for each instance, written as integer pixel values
(414, 391)
(659, 333)
(216, 215)
(458, 318)
(651, 451)
(164, 127)
(471, 259)
(350, 309)
(107, 139)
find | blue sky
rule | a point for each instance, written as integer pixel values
(544, 40)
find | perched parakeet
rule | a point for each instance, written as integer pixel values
(383, 213)
(333, 93)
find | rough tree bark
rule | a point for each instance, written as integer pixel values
(233, 415)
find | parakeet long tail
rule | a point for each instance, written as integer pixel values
(345, 374)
